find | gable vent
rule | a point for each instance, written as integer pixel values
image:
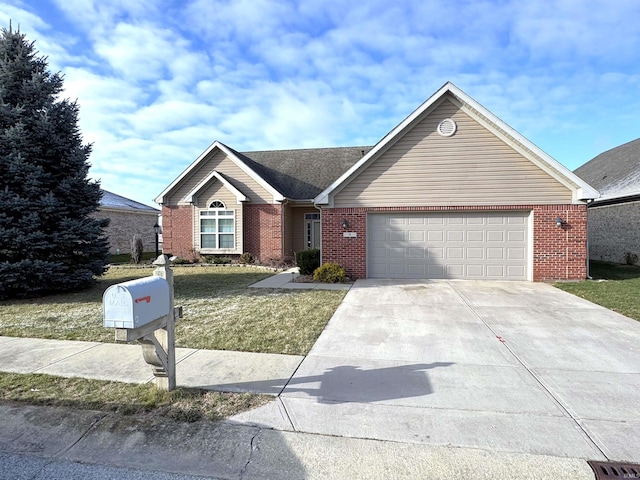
(447, 127)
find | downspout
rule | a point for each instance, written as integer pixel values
(283, 204)
(321, 237)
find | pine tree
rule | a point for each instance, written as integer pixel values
(49, 242)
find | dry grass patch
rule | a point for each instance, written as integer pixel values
(182, 404)
(220, 312)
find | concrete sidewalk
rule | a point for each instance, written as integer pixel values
(287, 279)
(207, 369)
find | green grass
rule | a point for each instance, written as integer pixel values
(182, 404)
(614, 286)
(220, 312)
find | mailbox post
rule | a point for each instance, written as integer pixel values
(143, 311)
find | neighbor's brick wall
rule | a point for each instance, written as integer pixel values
(124, 225)
(177, 230)
(558, 254)
(263, 231)
(614, 232)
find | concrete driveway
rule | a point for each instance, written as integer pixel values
(508, 366)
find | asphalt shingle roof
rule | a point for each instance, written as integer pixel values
(111, 200)
(303, 174)
(616, 172)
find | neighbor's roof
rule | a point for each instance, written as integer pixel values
(303, 174)
(616, 172)
(111, 200)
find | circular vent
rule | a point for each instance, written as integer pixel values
(447, 127)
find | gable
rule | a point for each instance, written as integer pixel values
(417, 125)
(471, 167)
(217, 160)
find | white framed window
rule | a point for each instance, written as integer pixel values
(217, 227)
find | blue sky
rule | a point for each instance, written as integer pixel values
(158, 81)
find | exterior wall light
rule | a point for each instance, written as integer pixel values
(345, 224)
(156, 230)
(559, 222)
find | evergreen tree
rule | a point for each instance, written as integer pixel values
(49, 242)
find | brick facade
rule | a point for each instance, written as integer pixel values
(124, 224)
(263, 231)
(558, 253)
(177, 231)
(614, 232)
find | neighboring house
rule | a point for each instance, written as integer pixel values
(614, 218)
(128, 218)
(451, 192)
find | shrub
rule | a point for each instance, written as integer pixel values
(277, 262)
(246, 258)
(308, 261)
(630, 258)
(330, 273)
(137, 247)
(217, 260)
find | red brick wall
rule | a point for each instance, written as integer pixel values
(558, 253)
(263, 231)
(177, 230)
(350, 253)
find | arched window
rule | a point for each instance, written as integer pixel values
(217, 227)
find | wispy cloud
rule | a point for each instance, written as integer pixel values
(157, 82)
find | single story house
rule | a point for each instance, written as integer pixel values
(614, 218)
(128, 218)
(450, 192)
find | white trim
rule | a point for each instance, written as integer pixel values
(580, 189)
(240, 197)
(277, 196)
(217, 233)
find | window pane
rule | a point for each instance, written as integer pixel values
(226, 241)
(225, 213)
(208, 241)
(226, 225)
(208, 225)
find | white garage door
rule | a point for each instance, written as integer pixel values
(448, 245)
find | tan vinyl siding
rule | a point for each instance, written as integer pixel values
(472, 167)
(218, 161)
(217, 191)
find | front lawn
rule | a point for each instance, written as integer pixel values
(614, 286)
(220, 312)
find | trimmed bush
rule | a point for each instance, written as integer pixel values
(246, 258)
(308, 261)
(330, 273)
(217, 260)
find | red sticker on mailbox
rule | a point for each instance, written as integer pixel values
(143, 299)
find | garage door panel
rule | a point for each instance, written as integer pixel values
(491, 245)
(495, 236)
(416, 236)
(475, 253)
(455, 236)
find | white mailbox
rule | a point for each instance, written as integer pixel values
(136, 303)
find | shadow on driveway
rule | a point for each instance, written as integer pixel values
(349, 383)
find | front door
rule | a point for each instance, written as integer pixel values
(312, 230)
